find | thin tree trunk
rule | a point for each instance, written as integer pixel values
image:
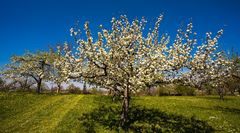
(221, 93)
(232, 92)
(125, 108)
(110, 92)
(149, 91)
(39, 86)
(59, 88)
(25, 84)
(221, 96)
(84, 88)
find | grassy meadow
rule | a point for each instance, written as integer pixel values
(46, 113)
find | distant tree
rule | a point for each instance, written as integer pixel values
(235, 71)
(84, 87)
(73, 89)
(233, 82)
(57, 74)
(209, 66)
(24, 83)
(2, 84)
(2, 81)
(126, 61)
(29, 65)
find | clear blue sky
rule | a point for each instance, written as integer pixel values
(34, 24)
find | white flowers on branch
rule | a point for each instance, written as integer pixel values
(30, 65)
(208, 64)
(123, 58)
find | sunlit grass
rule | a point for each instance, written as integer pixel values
(24, 112)
(222, 115)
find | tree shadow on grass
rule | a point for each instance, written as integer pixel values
(227, 109)
(142, 119)
(215, 98)
(219, 108)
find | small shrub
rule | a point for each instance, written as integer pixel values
(166, 90)
(95, 91)
(183, 90)
(73, 89)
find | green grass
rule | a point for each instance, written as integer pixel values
(25, 112)
(221, 115)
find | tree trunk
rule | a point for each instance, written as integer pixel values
(221, 94)
(39, 83)
(59, 88)
(232, 92)
(84, 88)
(149, 91)
(125, 108)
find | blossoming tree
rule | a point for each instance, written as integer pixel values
(56, 74)
(30, 65)
(125, 60)
(208, 65)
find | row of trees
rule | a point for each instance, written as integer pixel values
(35, 68)
(125, 60)
(31, 69)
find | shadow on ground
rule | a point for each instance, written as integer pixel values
(215, 98)
(227, 109)
(142, 119)
(219, 108)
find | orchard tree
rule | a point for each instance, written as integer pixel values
(233, 82)
(209, 66)
(235, 71)
(2, 83)
(17, 81)
(22, 82)
(56, 74)
(125, 60)
(30, 65)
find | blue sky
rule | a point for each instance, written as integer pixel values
(35, 24)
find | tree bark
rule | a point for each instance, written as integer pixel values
(84, 88)
(149, 91)
(125, 108)
(221, 93)
(39, 83)
(59, 88)
(232, 92)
